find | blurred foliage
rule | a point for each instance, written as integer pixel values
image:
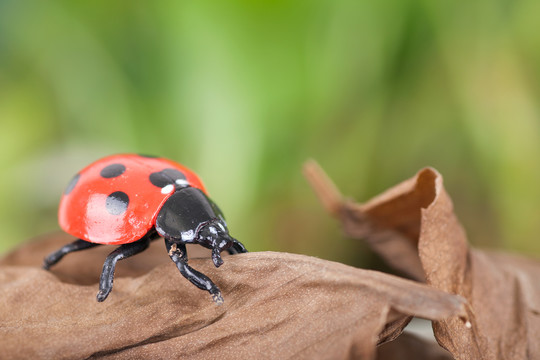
(244, 91)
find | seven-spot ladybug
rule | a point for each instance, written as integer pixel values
(130, 200)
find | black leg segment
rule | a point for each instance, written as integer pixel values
(178, 255)
(56, 256)
(237, 248)
(124, 251)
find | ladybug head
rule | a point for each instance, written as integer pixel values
(190, 217)
(215, 236)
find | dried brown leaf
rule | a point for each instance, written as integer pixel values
(277, 305)
(414, 228)
(410, 346)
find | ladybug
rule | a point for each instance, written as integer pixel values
(131, 200)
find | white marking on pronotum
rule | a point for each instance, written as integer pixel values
(182, 182)
(212, 230)
(188, 235)
(167, 189)
(221, 226)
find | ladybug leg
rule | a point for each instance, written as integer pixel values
(237, 248)
(122, 252)
(56, 256)
(178, 255)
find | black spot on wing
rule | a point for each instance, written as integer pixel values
(72, 184)
(117, 203)
(168, 177)
(113, 170)
(148, 156)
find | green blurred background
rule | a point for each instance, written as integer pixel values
(244, 91)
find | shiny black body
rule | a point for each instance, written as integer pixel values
(186, 210)
(187, 217)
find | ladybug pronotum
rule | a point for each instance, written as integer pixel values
(131, 200)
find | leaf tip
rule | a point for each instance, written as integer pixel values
(324, 188)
